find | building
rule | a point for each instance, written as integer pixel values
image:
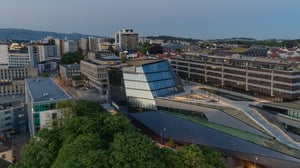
(70, 46)
(83, 44)
(3, 54)
(42, 96)
(68, 72)
(276, 79)
(42, 52)
(57, 43)
(146, 79)
(126, 39)
(12, 79)
(13, 116)
(18, 59)
(96, 75)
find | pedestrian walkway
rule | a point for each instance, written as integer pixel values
(271, 128)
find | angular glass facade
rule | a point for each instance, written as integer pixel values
(147, 81)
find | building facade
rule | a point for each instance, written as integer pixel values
(70, 46)
(146, 79)
(18, 59)
(96, 75)
(69, 71)
(42, 96)
(12, 79)
(3, 54)
(126, 39)
(279, 79)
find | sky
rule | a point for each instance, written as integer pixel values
(199, 19)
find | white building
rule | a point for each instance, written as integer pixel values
(42, 96)
(3, 54)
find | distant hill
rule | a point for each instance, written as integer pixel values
(28, 35)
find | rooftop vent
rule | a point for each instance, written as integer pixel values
(45, 94)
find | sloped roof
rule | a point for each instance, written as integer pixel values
(185, 131)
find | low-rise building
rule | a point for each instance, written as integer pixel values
(278, 79)
(12, 79)
(68, 72)
(42, 96)
(96, 75)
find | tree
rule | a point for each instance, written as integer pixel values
(213, 157)
(155, 49)
(42, 150)
(178, 50)
(192, 157)
(85, 107)
(72, 57)
(292, 44)
(145, 47)
(134, 150)
(45, 74)
(111, 49)
(171, 158)
(83, 151)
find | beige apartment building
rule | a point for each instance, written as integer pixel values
(95, 75)
(278, 79)
(12, 79)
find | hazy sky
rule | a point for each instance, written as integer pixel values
(203, 19)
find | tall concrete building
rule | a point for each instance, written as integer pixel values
(57, 43)
(70, 46)
(41, 52)
(3, 54)
(126, 39)
(83, 44)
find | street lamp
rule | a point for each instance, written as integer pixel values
(161, 134)
(256, 158)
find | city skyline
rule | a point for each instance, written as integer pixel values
(205, 19)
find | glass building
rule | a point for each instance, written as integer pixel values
(146, 79)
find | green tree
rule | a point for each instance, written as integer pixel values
(192, 157)
(86, 107)
(178, 50)
(111, 49)
(145, 47)
(171, 158)
(72, 57)
(133, 150)
(42, 150)
(83, 151)
(213, 157)
(155, 49)
(45, 75)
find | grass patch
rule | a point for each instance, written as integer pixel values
(232, 112)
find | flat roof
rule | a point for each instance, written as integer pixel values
(140, 62)
(45, 89)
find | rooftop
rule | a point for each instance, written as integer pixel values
(140, 62)
(44, 89)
